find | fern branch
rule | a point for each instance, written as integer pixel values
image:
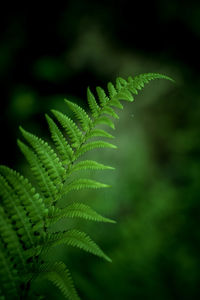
(27, 194)
(17, 213)
(62, 146)
(47, 156)
(60, 276)
(76, 210)
(78, 239)
(83, 183)
(89, 164)
(47, 186)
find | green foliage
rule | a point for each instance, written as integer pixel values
(27, 212)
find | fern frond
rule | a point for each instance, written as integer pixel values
(138, 82)
(89, 164)
(95, 109)
(60, 276)
(141, 79)
(109, 111)
(120, 82)
(47, 186)
(9, 279)
(76, 210)
(111, 90)
(11, 241)
(78, 239)
(99, 132)
(103, 98)
(105, 120)
(83, 183)
(27, 211)
(115, 102)
(92, 145)
(81, 115)
(17, 213)
(48, 158)
(71, 129)
(62, 146)
(26, 193)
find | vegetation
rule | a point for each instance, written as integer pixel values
(29, 208)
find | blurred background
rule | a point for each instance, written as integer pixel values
(49, 52)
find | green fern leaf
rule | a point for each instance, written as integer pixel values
(9, 278)
(119, 84)
(95, 109)
(76, 210)
(27, 194)
(109, 111)
(78, 239)
(131, 88)
(83, 183)
(81, 115)
(25, 214)
(121, 81)
(105, 120)
(47, 186)
(111, 90)
(99, 132)
(115, 102)
(59, 275)
(17, 213)
(48, 158)
(103, 99)
(89, 164)
(10, 238)
(71, 129)
(64, 150)
(92, 145)
(139, 81)
(124, 94)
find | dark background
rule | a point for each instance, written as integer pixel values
(48, 49)
(52, 51)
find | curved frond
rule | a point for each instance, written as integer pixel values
(27, 194)
(92, 145)
(109, 111)
(17, 213)
(78, 239)
(105, 120)
(9, 237)
(60, 276)
(76, 210)
(89, 164)
(27, 210)
(99, 132)
(71, 129)
(81, 115)
(47, 156)
(9, 279)
(62, 146)
(47, 186)
(103, 98)
(95, 109)
(83, 183)
(111, 90)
